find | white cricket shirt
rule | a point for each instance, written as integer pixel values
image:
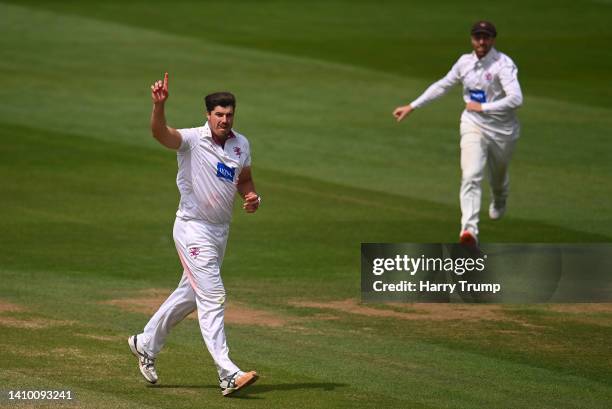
(492, 81)
(208, 174)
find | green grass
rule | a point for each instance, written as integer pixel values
(87, 198)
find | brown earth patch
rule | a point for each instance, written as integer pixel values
(24, 351)
(6, 306)
(32, 323)
(67, 353)
(148, 301)
(21, 322)
(510, 332)
(144, 303)
(109, 338)
(243, 315)
(435, 312)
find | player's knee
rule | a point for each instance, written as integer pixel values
(207, 271)
(471, 179)
(216, 296)
(212, 291)
(471, 171)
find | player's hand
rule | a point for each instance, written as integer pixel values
(473, 106)
(402, 112)
(159, 91)
(251, 202)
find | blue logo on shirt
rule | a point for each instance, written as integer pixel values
(478, 95)
(225, 172)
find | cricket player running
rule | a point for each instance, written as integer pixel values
(214, 162)
(489, 127)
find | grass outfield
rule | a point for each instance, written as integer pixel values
(87, 200)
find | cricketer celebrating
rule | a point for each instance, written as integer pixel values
(489, 127)
(214, 162)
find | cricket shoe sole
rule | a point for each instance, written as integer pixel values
(238, 381)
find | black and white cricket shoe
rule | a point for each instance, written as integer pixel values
(145, 362)
(237, 381)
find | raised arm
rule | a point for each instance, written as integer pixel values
(167, 136)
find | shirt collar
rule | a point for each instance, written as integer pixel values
(491, 56)
(208, 132)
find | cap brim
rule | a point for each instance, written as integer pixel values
(481, 31)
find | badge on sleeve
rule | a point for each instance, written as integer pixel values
(478, 95)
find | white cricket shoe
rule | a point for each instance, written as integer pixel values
(237, 381)
(145, 362)
(496, 212)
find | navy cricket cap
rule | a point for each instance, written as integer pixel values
(484, 27)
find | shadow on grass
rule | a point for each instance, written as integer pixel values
(260, 388)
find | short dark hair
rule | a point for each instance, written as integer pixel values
(223, 99)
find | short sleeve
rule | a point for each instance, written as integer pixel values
(189, 136)
(247, 159)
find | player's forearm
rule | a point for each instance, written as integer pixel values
(435, 91)
(438, 88)
(167, 136)
(514, 95)
(510, 101)
(245, 187)
(158, 121)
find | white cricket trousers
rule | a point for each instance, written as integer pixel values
(200, 247)
(480, 149)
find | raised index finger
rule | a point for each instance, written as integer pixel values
(166, 82)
